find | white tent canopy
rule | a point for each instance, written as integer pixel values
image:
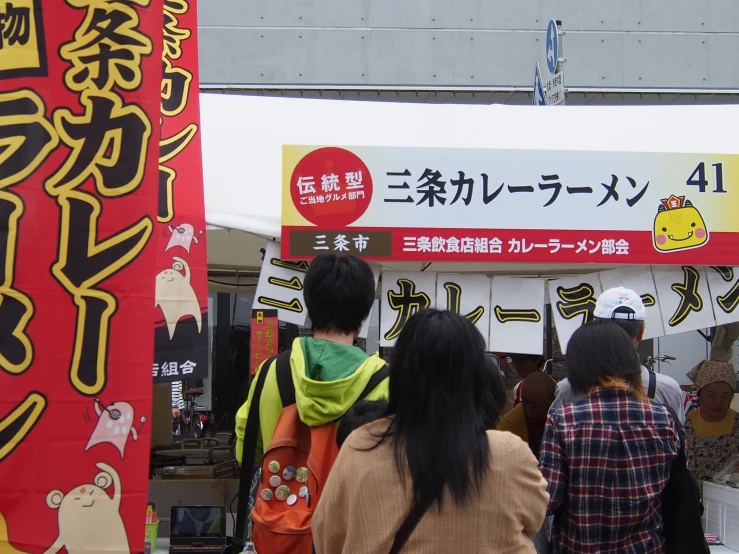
(242, 138)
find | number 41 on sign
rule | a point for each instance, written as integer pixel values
(698, 178)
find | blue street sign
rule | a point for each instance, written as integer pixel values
(552, 46)
(539, 98)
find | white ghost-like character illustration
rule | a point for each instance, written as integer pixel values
(183, 235)
(115, 424)
(175, 296)
(89, 519)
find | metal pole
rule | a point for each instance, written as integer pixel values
(550, 333)
(561, 58)
(225, 389)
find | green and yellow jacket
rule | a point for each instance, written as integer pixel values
(328, 378)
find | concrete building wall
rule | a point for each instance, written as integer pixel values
(479, 44)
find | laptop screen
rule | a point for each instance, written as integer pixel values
(198, 524)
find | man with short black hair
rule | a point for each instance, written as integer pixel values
(625, 308)
(329, 373)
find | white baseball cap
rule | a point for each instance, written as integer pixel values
(620, 303)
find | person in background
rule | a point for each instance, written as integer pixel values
(525, 365)
(712, 429)
(178, 404)
(607, 457)
(527, 419)
(360, 414)
(328, 372)
(481, 490)
(623, 307)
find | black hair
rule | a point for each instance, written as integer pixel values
(444, 394)
(492, 408)
(632, 327)
(339, 292)
(362, 413)
(602, 354)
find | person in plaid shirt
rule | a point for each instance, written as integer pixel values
(607, 457)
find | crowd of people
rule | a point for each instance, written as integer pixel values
(426, 460)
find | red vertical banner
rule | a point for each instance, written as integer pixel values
(181, 303)
(79, 143)
(264, 331)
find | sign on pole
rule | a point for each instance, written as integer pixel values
(555, 89)
(539, 97)
(552, 45)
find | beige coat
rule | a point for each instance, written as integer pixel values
(365, 502)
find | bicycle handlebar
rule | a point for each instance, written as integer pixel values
(663, 358)
(549, 363)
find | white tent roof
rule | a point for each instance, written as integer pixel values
(242, 139)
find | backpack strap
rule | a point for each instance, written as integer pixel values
(248, 455)
(409, 524)
(379, 376)
(678, 426)
(652, 390)
(285, 379)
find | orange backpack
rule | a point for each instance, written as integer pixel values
(294, 468)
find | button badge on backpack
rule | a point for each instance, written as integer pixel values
(275, 481)
(301, 475)
(303, 492)
(273, 466)
(266, 494)
(282, 493)
(288, 474)
(291, 500)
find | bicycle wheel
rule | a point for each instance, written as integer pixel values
(189, 431)
(194, 426)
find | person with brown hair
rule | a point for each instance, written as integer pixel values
(527, 419)
(525, 365)
(607, 457)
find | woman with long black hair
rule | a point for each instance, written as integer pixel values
(434, 455)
